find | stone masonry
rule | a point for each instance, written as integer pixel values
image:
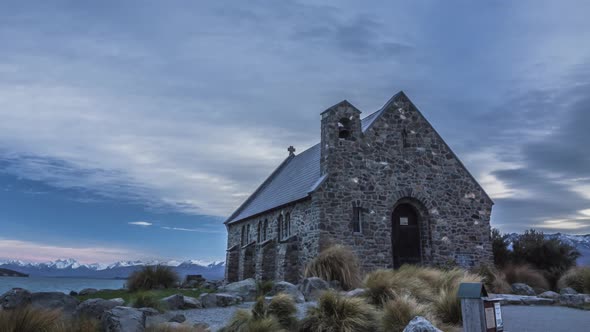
(391, 158)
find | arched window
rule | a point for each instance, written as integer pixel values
(357, 220)
(280, 226)
(344, 128)
(265, 228)
(287, 225)
(243, 237)
(258, 232)
(248, 234)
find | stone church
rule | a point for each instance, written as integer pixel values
(387, 186)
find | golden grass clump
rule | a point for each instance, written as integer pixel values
(152, 277)
(447, 306)
(31, 319)
(148, 301)
(577, 278)
(246, 321)
(336, 263)
(399, 312)
(525, 274)
(181, 328)
(494, 280)
(336, 313)
(283, 308)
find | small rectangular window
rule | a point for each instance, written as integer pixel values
(357, 218)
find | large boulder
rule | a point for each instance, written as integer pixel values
(288, 288)
(523, 289)
(358, 292)
(567, 291)
(574, 300)
(87, 291)
(55, 300)
(420, 324)
(95, 308)
(212, 300)
(123, 319)
(177, 318)
(313, 287)
(246, 289)
(149, 311)
(15, 298)
(180, 302)
(549, 295)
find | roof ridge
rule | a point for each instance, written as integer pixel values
(259, 189)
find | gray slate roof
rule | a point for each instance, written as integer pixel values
(293, 180)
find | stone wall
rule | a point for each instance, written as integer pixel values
(400, 158)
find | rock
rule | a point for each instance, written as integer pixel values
(192, 303)
(123, 319)
(335, 284)
(420, 324)
(245, 289)
(219, 300)
(202, 326)
(193, 281)
(87, 291)
(171, 326)
(535, 300)
(211, 284)
(313, 287)
(549, 295)
(355, 292)
(149, 311)
(523, 289)
(119, 301)
(173, 302)
(573, 300)
(15, 298)
(288, 288)
(567, 291)
(178, 318)
(521, 299)
(55, 300)
(94, 308)
(73, 293)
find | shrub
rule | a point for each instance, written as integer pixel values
(147, 301)
(31, 319)
(245, 321)
(494, 280)
(379, 286)
(399, 312)
(264, 287)
(336, 313)
(181, 328)
(283, 308)
(502, 255)
(577, 278)
(525, 274)
(384, 285)
(336, 263)
(447, 306)
(152, 277)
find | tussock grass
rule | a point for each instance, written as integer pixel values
(31, 319)
(525, 274)
(336, 263)
(494, 280)
(335, 313)
(144, 300)
(181, 328)
(246, 321)
(283, 308)
(264, 287)
(152, 277)
(577, 278)
(399, 312)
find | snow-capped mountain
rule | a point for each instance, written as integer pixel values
(580, 242)
(71, 268)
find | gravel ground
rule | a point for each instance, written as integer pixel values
(215, 317)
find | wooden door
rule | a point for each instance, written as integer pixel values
(405, 236)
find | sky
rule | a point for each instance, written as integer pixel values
(132, 129)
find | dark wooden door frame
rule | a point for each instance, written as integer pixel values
(405, 239)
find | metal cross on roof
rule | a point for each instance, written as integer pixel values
(291, 150)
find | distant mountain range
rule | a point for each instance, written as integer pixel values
(71, 268)
(580, 242)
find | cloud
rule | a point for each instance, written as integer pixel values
(140, 223)
(39, 252)
(198, 230)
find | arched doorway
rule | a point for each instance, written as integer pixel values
(405, 236)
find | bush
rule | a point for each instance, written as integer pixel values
(447, 306)
(577, 278)
(551, 256)
(336, 313)
(336, 263)
(246, 321)
(283, 308)
(182, 328)
(494, 280)
(384, 285)
(147, 301)
(264, 287)
(34, 320)
(525, 274)
(502, 255)
(152, 277)
(399, 312)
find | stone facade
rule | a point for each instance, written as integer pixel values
(369, 168)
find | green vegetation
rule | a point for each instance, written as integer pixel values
(152, 277)
(397, 313)
(577, 278)
(34, 320)
(264, 287)
(525, 274)
(336, 263)
(143, 300)
(131, 297)
(337, 313)
(277, 316)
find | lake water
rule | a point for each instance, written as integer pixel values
(46, 284)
